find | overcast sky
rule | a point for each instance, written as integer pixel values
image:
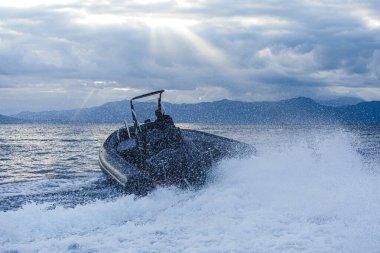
(69, 54)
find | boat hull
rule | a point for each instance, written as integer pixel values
(135, 179)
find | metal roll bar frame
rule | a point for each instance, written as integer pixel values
(134, 117)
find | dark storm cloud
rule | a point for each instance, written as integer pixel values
(271, 49)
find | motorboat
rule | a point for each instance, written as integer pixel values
(141, 156)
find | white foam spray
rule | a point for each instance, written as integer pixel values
(316, 195)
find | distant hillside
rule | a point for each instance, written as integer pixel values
(9, 120)
(107, 113)
(342, 101)
(362, 113)
(292, 111)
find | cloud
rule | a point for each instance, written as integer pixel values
(247, 50)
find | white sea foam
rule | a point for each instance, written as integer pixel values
(314, 196)
(48, 185)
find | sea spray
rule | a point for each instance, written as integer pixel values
(314, 194)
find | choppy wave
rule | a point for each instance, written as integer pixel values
(311, 195)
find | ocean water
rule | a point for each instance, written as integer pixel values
(308, 189)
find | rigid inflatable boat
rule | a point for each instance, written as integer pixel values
(142, 156)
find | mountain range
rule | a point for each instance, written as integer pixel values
(9, 120)
(292, 111)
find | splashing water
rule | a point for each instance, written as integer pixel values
(312, 194)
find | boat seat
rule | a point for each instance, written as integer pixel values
(158, 139)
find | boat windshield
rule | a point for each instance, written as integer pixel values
(143, 107)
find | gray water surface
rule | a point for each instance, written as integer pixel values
(308, 189)
(59, 163)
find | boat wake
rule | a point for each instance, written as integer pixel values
(315, 195)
